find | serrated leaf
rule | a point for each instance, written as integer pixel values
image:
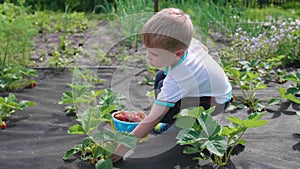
(249, 123)
(282, 91)
(256, 115)
(292, 77)
(189, 136)
(292, 98)
(104, 164)
(190, 150)
(24, 103)
(235, 72)
(127, 140)
(209, 126)
(87, 141)
(274, 101)
(217, 146)
(242, 141)
(260, 86)
(185, 122)
(76, 129)
(98, 152)
(88, 120)
(252, 75)
(70, 153)
(98, 92)
(235, 120)
(104, 135)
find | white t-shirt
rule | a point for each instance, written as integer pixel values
(197, 74)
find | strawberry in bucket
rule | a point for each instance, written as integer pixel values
(126, 121)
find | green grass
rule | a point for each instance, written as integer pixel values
(19, 24)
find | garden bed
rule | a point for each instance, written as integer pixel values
(37, 136)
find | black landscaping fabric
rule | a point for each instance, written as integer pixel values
(37, 138)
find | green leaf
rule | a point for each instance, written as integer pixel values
(293, 90)
(210, 110)
(274, 101)
(253, 75)
(242, 141)
(217, 146)
(105, 135)
(250, 123)
(209, 126)
(76, 129)
(70, 153)
(24, 103)
(88, 120)
(260, 86)
(292, 98)
(190, 150)
(256, 115)
(292, 77)
(235, 120)
(189, 136)
(127, 140)
(11, 98)
(80, 100)
(98, 152)
(185, 122)
(282, 91)
(193, 112)
(67, 98)
(86, 142)
(110, 148)
(104, 164)
(235, 72)
(108, 110)
(227, 131)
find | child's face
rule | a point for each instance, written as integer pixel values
(160, 58)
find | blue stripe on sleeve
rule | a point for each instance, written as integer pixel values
(166, 104)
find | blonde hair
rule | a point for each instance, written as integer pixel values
(170, 29)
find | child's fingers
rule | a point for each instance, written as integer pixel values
(115, 158)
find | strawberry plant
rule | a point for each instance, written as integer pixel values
(8, 106)
(99, 147)
(249, 83)
(202, 135)
(93, 110)
(294, 90)
(13, 77)
(80, 90)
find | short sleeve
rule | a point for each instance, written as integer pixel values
(170, 93)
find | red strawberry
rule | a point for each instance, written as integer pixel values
(3, 126)
(122, 112)
(136, 118)
(33, 85)
(141, 114)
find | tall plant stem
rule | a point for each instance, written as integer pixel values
(235, 143)
(5, 55)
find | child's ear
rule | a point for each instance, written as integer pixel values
(180, 53)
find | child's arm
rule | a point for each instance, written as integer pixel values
(145, 127)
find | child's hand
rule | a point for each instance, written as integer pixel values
(119, 153)
(115, 158)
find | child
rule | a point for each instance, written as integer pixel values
(191, 77)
